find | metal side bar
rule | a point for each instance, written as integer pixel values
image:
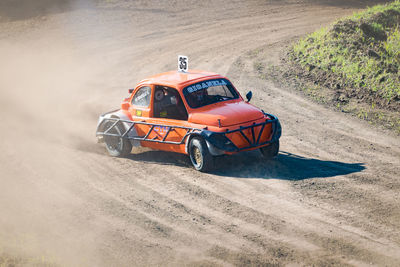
(146, 138)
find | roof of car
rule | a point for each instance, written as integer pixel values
(176, 78)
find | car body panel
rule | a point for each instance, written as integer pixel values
(226, 113)
(232, 121)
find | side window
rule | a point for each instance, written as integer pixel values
(142, 97)
(168, 104)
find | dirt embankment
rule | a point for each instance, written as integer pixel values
(330, 198)
(353, 65)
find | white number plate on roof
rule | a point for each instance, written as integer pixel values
(183, 63)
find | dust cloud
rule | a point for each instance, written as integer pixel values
(43, 99)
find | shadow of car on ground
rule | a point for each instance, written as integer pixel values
(286, 166)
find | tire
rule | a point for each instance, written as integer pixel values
(199, 155)
(271, 150)
(117, 146)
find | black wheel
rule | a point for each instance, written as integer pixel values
(200, 157)
(116, 146)
(271, 150)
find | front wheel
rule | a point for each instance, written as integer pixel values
(271, 150)
(200, 157)
(117, 146)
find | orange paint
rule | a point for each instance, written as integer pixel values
(217, 117)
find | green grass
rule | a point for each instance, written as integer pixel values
(359, 54)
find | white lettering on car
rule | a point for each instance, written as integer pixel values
(204, 85)
(142, 95)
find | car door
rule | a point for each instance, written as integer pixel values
(168, 111)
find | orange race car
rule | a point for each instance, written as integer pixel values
(194, 112)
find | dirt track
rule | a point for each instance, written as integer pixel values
(331, 196)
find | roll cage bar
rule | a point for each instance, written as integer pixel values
(218, 139)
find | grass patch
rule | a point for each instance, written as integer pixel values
(358, 59)
(361, 52)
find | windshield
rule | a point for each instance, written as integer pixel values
(209, 92)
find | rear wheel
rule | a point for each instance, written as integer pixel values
(200, 157)
(271, 150)
(116, 146)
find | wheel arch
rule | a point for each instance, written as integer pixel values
(212, 149)
(189, 138)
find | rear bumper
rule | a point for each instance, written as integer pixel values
(222, 142)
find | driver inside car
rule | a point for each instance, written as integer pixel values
(168, 106)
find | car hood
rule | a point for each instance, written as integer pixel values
(229, 113)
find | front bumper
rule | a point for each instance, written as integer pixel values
(222, 142)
